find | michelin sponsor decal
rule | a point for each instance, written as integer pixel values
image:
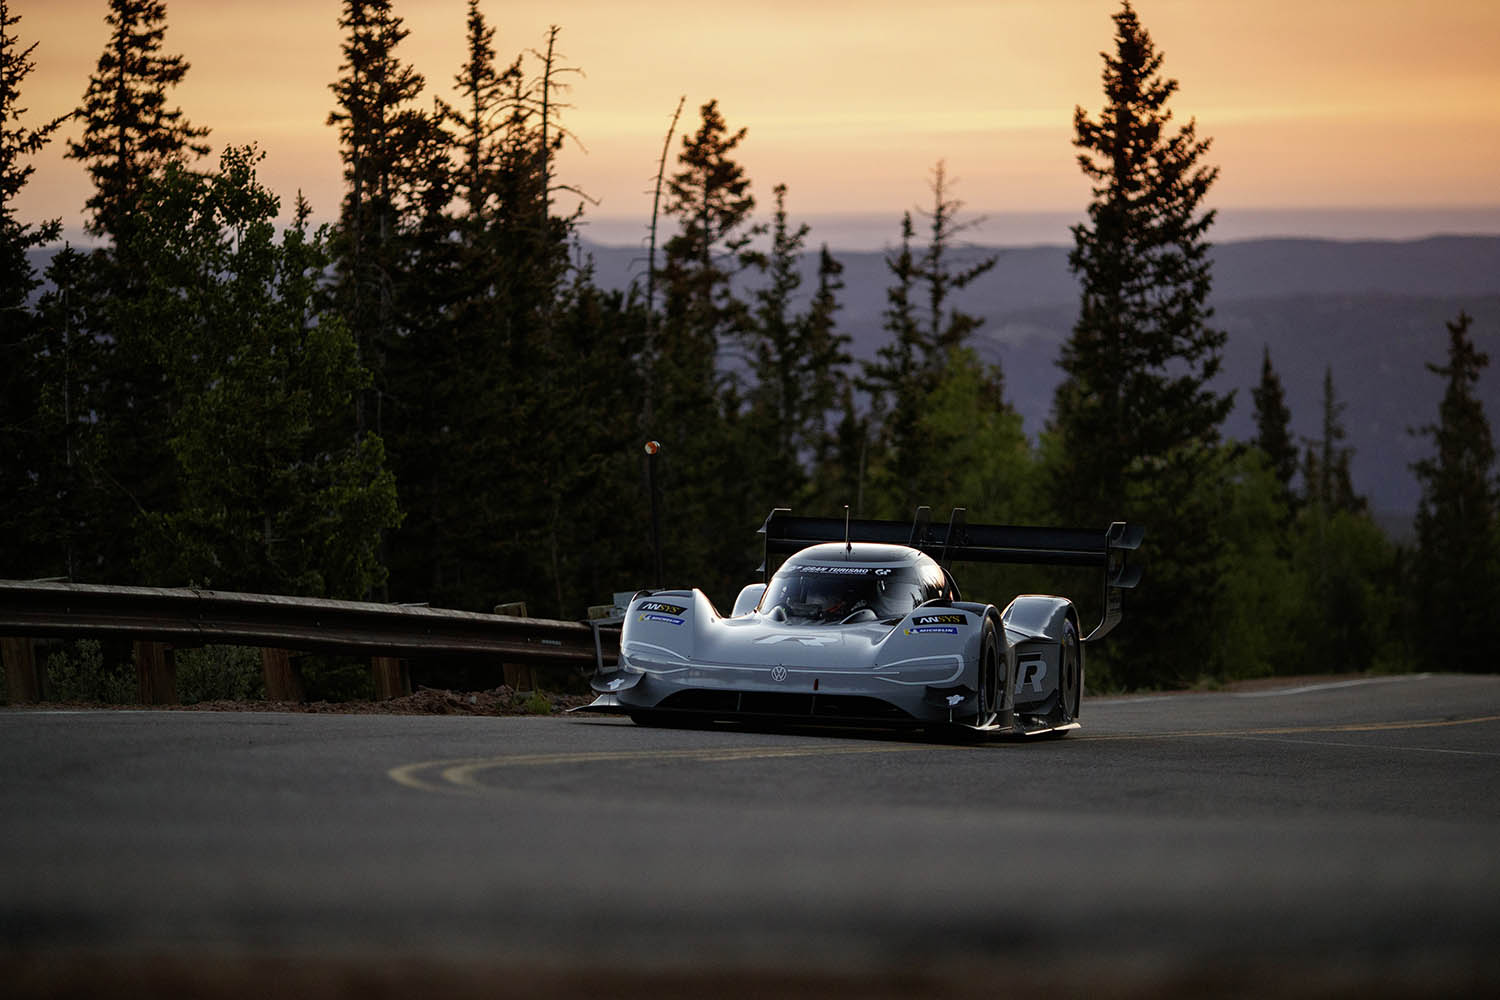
(664, 619)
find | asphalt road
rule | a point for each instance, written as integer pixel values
(1334, 837)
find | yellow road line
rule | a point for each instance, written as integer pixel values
(1351, 727)
(462, 775)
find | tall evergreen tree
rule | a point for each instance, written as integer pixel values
(797, 360)
(698, 401)
(1327, 478)
(18, 142)
(825, 355)
(914, 364)
(382, 136)
(1136, 418)
(22, 452)
(130, 131)
(1341, 552)
(948, 328)
(710, 199)
(483, 88)
(131, 138)
(1273, 433)
(897, 377)
(1457, 567)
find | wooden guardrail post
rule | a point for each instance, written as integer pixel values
(282, 682)
(156, 672)
(518, 677)
(390, 678)
(22, 685)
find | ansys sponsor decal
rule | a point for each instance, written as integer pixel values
(936, 624)
(666, 609)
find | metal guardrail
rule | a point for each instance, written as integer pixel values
(204, 617)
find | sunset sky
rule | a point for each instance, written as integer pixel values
(1316, 107)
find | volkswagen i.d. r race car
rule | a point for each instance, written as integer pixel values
(864, 624)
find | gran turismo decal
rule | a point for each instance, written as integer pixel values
(837, 570)
(931, 629)
(940, 620)
(666, 609)
(666, 619)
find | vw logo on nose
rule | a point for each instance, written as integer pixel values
(778, 673)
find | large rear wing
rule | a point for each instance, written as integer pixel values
(958, 541)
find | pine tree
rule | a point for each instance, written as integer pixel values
(948, 328)
(74, 530)
(897, 378)
(1326, 462)
(1136, 419)
(22, 451)
(1341, 552)
(698, 402)
(1457, 567)
(130, 133)
(483, 87)
(1273, 434)
(711, 200)
(912, 366)
(825, 355)
(382, 136)
(797, 360)
(131, 139)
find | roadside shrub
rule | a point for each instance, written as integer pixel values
(336, 678)
(78, 672)
(219, 673)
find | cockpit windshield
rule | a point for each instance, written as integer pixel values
(813, 594)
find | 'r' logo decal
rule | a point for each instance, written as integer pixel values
(1032, 672)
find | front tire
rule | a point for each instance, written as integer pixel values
(989, 677)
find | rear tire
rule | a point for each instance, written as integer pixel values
(1070, 682)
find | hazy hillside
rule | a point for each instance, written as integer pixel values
(1374, 311)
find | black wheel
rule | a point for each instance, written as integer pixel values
(989, 676)
(1070, 681)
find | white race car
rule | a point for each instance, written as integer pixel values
(863, 624)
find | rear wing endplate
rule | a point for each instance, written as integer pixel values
(959, 541)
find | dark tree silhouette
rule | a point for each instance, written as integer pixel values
(1457, 567)
(1327, 481)
(1273, 434)
(1135, 417)
(130, 131)
(23, 449)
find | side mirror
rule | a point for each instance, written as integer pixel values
(748, 599)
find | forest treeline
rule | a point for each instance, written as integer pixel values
(432, 400)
